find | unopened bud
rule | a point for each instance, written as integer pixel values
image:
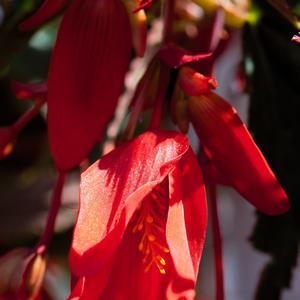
(35, 276)
(138, 21)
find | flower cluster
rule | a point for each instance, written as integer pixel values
(142, 215)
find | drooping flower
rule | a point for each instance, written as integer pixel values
(141, 223)
(231, 148)
(87, 69)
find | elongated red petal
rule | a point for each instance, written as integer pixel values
(212, 175)
(112, 189)
(86, 76)
(236, 154)
(186, 225)
(48, 10)
(26, 91)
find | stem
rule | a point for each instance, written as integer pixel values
(137, 108)
(217, 27)
(217, 242)
(55, 205)
(160, 96)
(168, 20)
(28, 116)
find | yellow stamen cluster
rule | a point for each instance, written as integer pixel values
(149, 244)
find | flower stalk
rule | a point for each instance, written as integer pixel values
(217, 243)
(54, 208)
(28, 116)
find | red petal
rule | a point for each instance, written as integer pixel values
(29, 90)
(112, 189)
(86, 76)
(48, 9)
(87, 288)
(194, 83)
(236, 154)
(211, 173)
(186, 225)
(176, 57)
(128, 279)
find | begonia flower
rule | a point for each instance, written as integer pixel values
(231, 147)
(141, 224)
(86, 74)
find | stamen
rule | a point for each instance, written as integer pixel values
(162, 271)
(152, 242)
(161, 260)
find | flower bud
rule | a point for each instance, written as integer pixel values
(138, 22)
(35, 276)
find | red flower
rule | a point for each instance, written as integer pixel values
(86, 74)
(229, 146)
(141, 224)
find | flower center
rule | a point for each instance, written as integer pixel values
(150, 225)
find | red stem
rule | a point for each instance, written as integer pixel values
(54, 208)
(168, 20)
(28, 116)
(217, 242)
(160, 96)
(136, 110)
